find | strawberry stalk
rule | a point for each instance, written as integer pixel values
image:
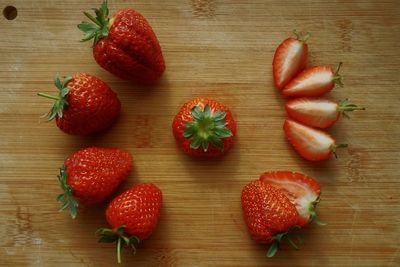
(313, 213)
(337, 78)
(207, 127)
(107, 235)
(302, 37)
(335, 147)
(100, 26)
(66, 199)
(61, 101)
(345, 106)
(278, 238)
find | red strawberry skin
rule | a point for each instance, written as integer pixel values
(138, 208)
(131, 50)
(315, 112)
(185, 115)
(300, 189)
(313, 81)
(267, 211)
(94, 173)
(290, 57)
(310, 143)
(92, 106)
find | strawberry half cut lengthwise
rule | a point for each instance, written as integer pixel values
(312, 144)
(319, 112)
(124, 45)
(290, 57)
(313, 81)
(303, 191)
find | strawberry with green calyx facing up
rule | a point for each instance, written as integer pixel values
(204, 127)
(303, 191)
(133, 216)
(312, 144)
(269, 215)
(124, 45)
(319, 112)
(313, 81)
(85, 105)
(290, 57)
(90, 175)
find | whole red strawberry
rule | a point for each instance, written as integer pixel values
(204, 127)
(268, 213)
(133, 216)
(91, 174)
(85, 105)
(125, 45)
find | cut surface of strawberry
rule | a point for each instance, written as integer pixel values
(303, 191)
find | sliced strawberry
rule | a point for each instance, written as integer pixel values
(313, 81)
(318, 112)
(310, 143)
(303, 191)
(290, 57)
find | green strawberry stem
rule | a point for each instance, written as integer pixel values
(66, 199)
(61, 101)
(107, 235)
(335, 147)
(100, 26)
(278, 238)
(337, 78)
(302, 37)
(344, 106)
(313, 213)
(207, 127)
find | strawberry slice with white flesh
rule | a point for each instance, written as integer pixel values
(319, 112)
(312, 144)
(303, 191)
(289, 59)
(313, 81)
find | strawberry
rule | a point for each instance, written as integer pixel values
(318, 112)
(290, 57)
(313, 81)
(268, 213)
(124, 45)
(310, 143)
(303, 191)
(133, 216)
(204, 127)
(85, 105)
(90, 175)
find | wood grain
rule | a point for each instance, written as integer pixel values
(223, 50)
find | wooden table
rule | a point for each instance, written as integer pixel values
(223, 50)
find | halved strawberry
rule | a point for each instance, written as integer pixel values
(290, 57)
(310, 143)
(313, 81)
(318, 112)
(303, 191)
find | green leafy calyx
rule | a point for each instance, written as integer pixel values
(107, 235)
(345, 106)
(301, 36)
(313, 213)
(61, 101)
(66, 199)
(337, 78)
(207, 127)
(278, 238)
(99, 26)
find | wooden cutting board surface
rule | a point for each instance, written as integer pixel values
(222, 50)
